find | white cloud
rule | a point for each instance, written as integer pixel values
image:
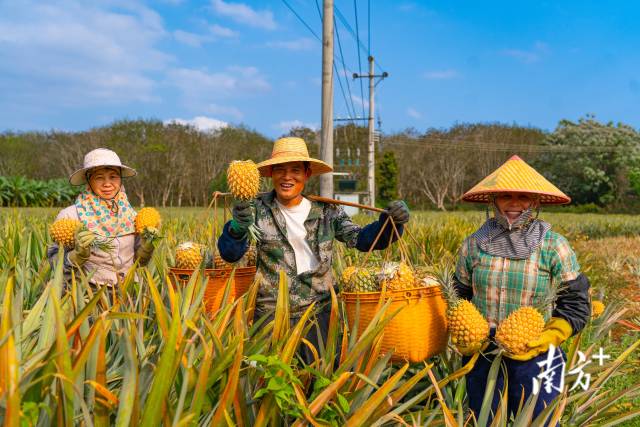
(244, 14)
(287, 125)
(190, 39)
(359, 101)
(224, 32)
(202, 123)
(411, 112)
(441, 75)
(295, 45)
(75, 53)
(203, 90)
(528, 56)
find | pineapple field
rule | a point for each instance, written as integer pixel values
(151, 352)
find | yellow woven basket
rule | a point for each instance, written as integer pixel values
(216, 283)
(417, 332)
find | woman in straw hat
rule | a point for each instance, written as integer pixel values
(297, 234)
(515, 260)
(106, 214)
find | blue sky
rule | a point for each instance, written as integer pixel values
(73, 65)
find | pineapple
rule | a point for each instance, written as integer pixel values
(597, 308)
(346, 274)
(63, 231)
(251, 256)
(243, 178)
(396, 276)
(219, 263)
(359, 280)
(520, 327)
(467, 327)
(148, 221)
(189, 255)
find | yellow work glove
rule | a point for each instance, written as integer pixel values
(82, 249)
(472, 349)
(555, 332)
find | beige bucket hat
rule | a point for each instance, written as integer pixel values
(100, 157)
(292, 149)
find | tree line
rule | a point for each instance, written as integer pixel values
(595, 163)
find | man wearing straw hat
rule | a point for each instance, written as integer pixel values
(516, 260)
(297, 235)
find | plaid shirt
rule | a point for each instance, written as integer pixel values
(502, 285)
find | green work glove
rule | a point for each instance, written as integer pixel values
(555, 332)
(472, 349)
(242, 219)
(82, 250)
(398, 211)
(146, 248)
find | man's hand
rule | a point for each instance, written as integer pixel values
(80, 254)
(242, 219)
(398, 211)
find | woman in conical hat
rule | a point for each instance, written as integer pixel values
(298, 236)
(106, 214)
(514, 259)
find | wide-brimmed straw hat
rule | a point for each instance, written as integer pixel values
(516, 176)
(292, 149)
(100, 157)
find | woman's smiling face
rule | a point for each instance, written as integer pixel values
(105, 182)
(512, 204)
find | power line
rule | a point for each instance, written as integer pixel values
(353, 34)
(355, 8)
(344, 68)
(435, 142)
(302, 20)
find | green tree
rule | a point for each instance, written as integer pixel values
(593, 162)
(387, 178)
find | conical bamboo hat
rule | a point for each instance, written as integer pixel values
(516, 176)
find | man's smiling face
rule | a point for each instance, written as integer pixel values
(289, 180)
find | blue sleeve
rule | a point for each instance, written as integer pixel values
(230, 248)
(368, 234)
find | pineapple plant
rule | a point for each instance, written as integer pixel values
(189, 255)
(243, 178)
(467, 326)
(519, 328)
(597, 308)
(147, 223)
(396, 276)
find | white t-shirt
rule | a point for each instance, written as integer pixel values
(297, 234)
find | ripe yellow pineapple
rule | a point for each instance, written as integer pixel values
(396, 276)
(597, 308)
(63, 231)
(243, 178)
(189, 255)
(220, 263)
(520, 327)
(346, 274)
(467, 326)
(147, 218)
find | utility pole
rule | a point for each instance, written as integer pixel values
(371, 163)
(326, 143)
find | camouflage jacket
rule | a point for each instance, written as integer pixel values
(324, 223)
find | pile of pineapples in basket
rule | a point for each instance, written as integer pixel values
(392, 276)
